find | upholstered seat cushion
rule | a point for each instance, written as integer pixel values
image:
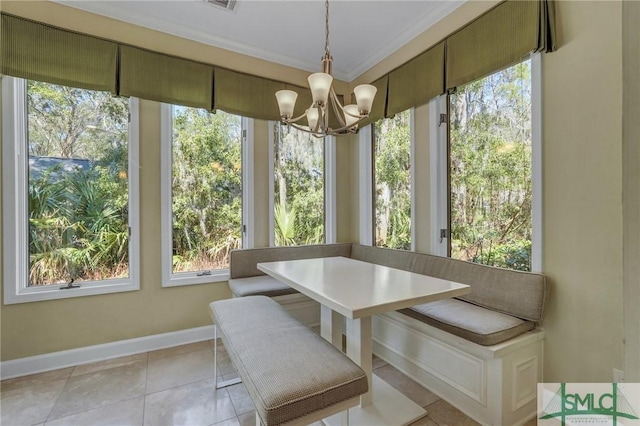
(471, 322)
(288, 370)
(261, 285)
(518, 293)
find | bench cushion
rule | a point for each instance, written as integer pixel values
(517, 293)
(288, 370)
(262, 285)
(471, 322)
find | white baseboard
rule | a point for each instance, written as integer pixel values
(69, 358)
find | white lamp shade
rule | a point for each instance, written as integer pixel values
(286, 102)
(364, 97)
(320, 84)
(312, 118)
(350, 112)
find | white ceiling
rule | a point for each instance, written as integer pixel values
(362, 32)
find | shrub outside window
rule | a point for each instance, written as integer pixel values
(202, 194)
(392, 181)
(299, 187)
(491, 169)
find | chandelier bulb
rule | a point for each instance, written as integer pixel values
(286, 102)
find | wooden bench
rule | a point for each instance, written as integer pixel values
(293, 375)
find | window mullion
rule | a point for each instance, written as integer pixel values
(365, 191)
(438, 175)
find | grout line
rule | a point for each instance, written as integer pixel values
(66, 382)
(146, 382)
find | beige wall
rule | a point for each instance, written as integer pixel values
(582, 190)
(582, 187)
(631, 186)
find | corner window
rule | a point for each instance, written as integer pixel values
(70, 190)
(201, 194)
(490, 169)
(392, 181)
(298, 187)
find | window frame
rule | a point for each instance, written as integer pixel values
(15, 206)
(169, 278)
(440, 179)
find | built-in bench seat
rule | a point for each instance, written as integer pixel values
(292, 374)
(247, 280)
(482, 352)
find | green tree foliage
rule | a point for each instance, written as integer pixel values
(207, 188)
(299, 187)
(392, 151)
(78, 224)
(490, 156)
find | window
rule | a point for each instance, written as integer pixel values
(70, 190)
(392, 181)
(298, 187)
(490, 169)
(202, 194)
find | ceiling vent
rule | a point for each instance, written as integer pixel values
(225, 4)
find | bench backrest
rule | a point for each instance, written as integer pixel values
(243, 262)
(517, 293)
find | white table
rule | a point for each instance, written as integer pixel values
(358, 290)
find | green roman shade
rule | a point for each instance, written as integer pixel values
(547, 32)
(163, 78)
(246, 95)
(505, 35)
(36, 51)
(417, 81)
(379, 108)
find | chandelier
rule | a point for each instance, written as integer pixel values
(322, 92)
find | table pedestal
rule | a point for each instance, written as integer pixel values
(389, 408)
(383, 405)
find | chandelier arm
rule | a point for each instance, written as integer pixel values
(323, 120)
(303, 129)
(350, 128)
(293, 120)
(337, 101)
(334, 98)
(337, 108)
(297, 126)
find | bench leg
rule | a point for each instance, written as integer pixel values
(359, 349)
(224, 383)
(331, 324)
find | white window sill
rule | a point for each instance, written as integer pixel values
(191, 278)
(53, 292)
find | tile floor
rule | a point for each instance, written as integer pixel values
(173, 386)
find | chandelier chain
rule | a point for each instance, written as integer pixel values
(326, 22)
